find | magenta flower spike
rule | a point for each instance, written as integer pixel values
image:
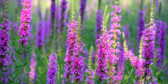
(71, 45)
(148, 48)
(114, 33)
(102, 55)
(25, 18)
(52, 69)
(78, 63)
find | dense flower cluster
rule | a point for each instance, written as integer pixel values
(98, 25)
(32, 72)
(77, 63)
(148, 48)
(25, 18)
(102, 55)
(4, 42)
(63, 8)
(71, 44)
(141, 26)
(114, 37)
(52, 70)
(40, 34)
(161, 41)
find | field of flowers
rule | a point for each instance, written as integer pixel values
(83, 42)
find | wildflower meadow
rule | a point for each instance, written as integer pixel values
(83, 42)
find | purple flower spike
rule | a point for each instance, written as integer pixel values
(78, 63)
(24, 29)
(82, 10)
(71, 43)
(148, 48)
(161, 41)
(52, 70)
(98, 25)
(103, 54)
(141, 26)
(40, 35)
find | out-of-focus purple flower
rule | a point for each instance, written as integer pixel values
(77, 63)
(71, 44)
(157, 5)
(102, 55)
(24, 29)
(148, 48)
(114, 33)
(120, 65)
(161, 41)
(52, 70)
(141, 27)
(82, 10)
(98, 25)
(62, 18)
(62, 23)
(40, 34)
(32, 72)
(19, 2)
(53, 9)
(127, 33)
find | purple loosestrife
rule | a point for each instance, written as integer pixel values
(53, 10)
(102, 55)
(71, 44)
(4, 43)
(52, 69)
(161, 36)
(114, 37)
(148, 48)
(40, 34)
(127, 33)
(62, 24)
(98, 25)
(32, 72)
(24, 29)
(120, 67)
(82, 11)
(141, 26)
(78, 63)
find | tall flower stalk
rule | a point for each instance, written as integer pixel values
(98, 25)
(40, 34)
(62, 24)
(52, 70)
(4, 43)
(148, 45)
(82, 11)
(53, 10)
(141, 26)
(161, 41)
(24, 29)
(103, 51)
(114, 40)
(71, 44)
